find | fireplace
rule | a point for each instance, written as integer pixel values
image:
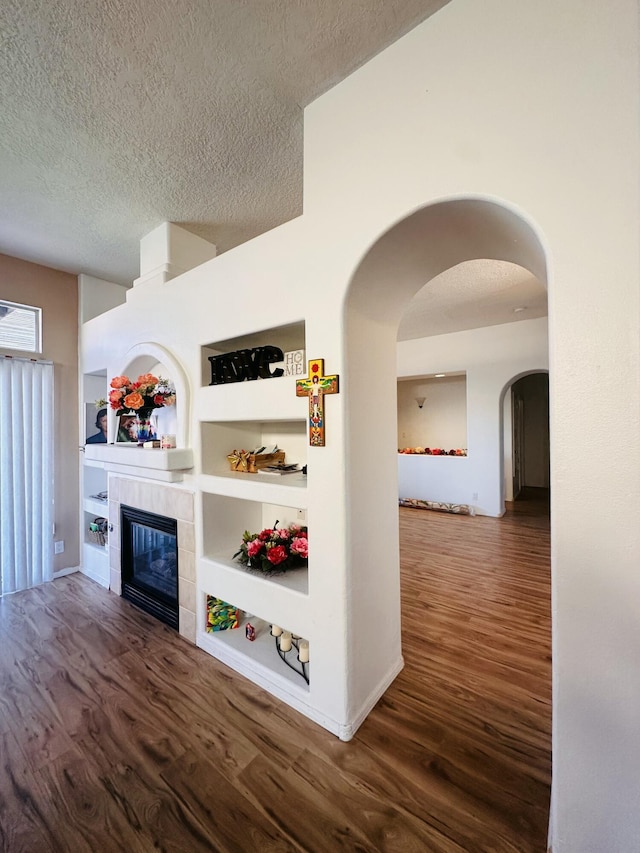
(149, 563)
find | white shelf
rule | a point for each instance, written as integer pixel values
(283, 598)
(92, 463)
(257, 657)
(262, 400)
(296, 580)
(97, 508)
(219, 439)
(287, 490)
(226, 518)
(155, 464)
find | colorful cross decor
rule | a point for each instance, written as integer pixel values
(315, 387)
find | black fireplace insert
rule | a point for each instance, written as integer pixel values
(149, 563)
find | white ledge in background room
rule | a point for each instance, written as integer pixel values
(153, 463)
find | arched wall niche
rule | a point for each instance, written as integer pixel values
(401, 261)
(141, 358)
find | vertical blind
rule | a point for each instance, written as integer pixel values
(26, 473)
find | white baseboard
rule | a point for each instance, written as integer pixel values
(269, 680)
(95, 576)
(294, 696)
(63, 572)
(348, 731)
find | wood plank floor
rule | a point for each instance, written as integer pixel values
(117, 735)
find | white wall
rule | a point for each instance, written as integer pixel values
(536, 104)
(492, 358)
(97, 296)
(442, 419)
(535, 107)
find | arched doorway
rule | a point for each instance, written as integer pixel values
(393, 270)
(526, 436)
(396, 266)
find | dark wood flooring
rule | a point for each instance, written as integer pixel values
(117, 735)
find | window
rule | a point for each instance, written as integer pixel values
(20, 327)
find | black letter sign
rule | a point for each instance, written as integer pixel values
(245, 364)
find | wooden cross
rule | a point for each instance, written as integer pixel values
(315, 386)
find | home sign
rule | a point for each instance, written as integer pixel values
(245, 364)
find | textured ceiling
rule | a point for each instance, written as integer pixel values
(116, 116)
(471, 295)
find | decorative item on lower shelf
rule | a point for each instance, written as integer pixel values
(274, 551)
(98, 531)
(285, 643)
(221, 616)
(279, 469)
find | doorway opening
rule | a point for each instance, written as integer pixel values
(530, 465)
(413, 252)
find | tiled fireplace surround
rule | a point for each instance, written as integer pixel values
(171, 503)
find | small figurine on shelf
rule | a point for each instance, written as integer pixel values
(250, 632)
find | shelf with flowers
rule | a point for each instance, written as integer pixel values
(140, 398)
(274, 550)
(244, 549)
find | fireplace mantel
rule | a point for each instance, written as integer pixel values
(154, 464)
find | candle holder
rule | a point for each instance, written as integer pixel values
(286, 643)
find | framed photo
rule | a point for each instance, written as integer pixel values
(96, 425)
(126, 430)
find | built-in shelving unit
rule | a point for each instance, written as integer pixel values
(243, 416)
(223, 418)
(93, 481)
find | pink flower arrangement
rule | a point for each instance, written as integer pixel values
(147, 392)
(274, 550)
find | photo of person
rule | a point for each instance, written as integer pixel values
(126, 428)
(101, 424)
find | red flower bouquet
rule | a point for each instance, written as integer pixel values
(274, 550)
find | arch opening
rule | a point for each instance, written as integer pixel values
(403, 259)
(524, 402)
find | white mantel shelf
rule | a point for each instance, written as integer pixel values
(153, 464)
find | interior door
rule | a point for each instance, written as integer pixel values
(517, 420)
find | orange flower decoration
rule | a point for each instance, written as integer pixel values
(147, 392)
(134, 401)
(120, 381)
(148, 379)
